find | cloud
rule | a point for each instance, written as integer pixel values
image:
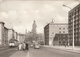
(72, 5)
(22, 13)
(10, 15)
(60, 19)
(19, 29)
(4, 14)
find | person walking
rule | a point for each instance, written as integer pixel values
(20, 46)
(27, 46)
(65, 44)
(24, 46)
(68, 44)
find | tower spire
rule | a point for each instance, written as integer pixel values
(34, 26)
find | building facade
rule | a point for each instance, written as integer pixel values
(5, 36)
(60, 39)
(34, 31)
(21, 38)
(10, 34)
(54, 28)
(15, 35)
(74, 19)
(1, 32)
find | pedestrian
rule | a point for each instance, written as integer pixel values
(24, 46)
(20, 46)
(27, 47)
(68, 44)
(65, 44)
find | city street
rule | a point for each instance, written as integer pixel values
(6, 51)
(39, 28)
(50, 52)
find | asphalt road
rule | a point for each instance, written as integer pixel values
(6, 52)
(50, 52)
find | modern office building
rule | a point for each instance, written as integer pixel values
(74, 19)
(54, 28)
(60, 39)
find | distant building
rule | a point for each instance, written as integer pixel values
(1, 33)
(34, 32)
(10, 34)
(60, 39)
(15, 35)
(5, 36)
(21, 38)
(34, 26)
(74, 14)
(54, 28)
(40, 37)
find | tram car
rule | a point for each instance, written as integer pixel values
(13, 43)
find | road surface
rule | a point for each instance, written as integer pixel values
(6, 52)
(50, 52)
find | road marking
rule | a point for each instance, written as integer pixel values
(28, 54)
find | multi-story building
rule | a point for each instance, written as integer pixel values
(10, 34)
(74, 19)
(54, 28)
(34, 32)
(61, 39)
(5, 36)
(15, 35)
(21, 38)
(1, 32)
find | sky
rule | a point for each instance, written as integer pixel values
(20, 14)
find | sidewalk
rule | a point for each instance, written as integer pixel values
(69, 49)
(21, 54)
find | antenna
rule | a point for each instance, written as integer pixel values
(52, 20)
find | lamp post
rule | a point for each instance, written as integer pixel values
(73, 27)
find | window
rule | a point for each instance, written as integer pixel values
(63, 31)
(59, 28)
(59, 31)
(63, 28)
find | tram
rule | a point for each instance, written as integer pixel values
(13, 43)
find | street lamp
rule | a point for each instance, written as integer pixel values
(67, 6)
(73, 26)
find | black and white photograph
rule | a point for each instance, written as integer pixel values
(39, 28)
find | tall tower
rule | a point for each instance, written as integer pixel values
(34, 33)
(34, 26)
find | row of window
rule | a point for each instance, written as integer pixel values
(59, 32)
(61, 28)
(75, 12)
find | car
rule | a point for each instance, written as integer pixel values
(31, 45)
(36, 46)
